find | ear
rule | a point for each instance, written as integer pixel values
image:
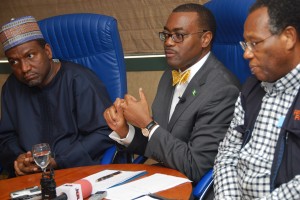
(289, 37)
(48, 51)
(206, 39)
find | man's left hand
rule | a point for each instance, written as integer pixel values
(136, 112)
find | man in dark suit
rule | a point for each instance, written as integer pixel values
(190, 117)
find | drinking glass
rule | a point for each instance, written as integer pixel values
(41, 154)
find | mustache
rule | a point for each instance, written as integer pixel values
(170, 50)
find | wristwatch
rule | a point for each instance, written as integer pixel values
(148, 128)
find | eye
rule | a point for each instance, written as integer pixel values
(30, 55)
(13, 62)
(178, 35)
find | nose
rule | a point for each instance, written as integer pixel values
(248, 54)
(25, 66)
(169, 41)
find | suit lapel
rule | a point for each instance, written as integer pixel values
(164, 100)
(192, 91)
(168, 102)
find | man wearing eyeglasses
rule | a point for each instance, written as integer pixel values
(260, 155)
(192, 111)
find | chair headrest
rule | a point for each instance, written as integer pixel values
(230, 16)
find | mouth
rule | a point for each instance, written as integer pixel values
(170, 53)
(29, 77)
(253, 69)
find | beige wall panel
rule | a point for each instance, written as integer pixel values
(147, 80)
(139, 20)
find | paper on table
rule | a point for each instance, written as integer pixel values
(113, 180)
(151, 184)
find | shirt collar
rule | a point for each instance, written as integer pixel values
(195, 68)
(287, 83)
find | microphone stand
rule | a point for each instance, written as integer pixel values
(48, 185)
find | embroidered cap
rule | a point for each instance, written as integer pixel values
(19, 31)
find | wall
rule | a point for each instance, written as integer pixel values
(139, 21)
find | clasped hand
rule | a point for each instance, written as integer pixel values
(128, 110)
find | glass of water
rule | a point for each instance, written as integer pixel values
(41, 154)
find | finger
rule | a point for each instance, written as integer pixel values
(118, 101)
(120, 113)
(118, 107)
(18, 172)
(143, 97)
(109, 117)
(26, 162)
(106, 115)
(110, 112)
(128, 98)
(28, 154)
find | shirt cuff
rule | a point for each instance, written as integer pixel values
(124, 141)
(152, 131)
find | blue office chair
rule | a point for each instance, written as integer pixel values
(202, 187)
(91, 40)
(230, 16)
(109, 156)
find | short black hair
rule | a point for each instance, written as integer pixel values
(282, 13)
(206, 18)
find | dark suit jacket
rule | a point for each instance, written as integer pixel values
(189, 142)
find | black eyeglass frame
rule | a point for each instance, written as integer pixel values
(163, 36)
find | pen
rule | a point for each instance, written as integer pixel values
(108, 176)
(154, 196)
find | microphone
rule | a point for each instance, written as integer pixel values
(79, 190)
(182, 99)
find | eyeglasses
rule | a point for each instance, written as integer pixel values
(176, 37)
(251, 45)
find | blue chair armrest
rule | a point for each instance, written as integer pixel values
(139, 160)
(203, 185)
(109, 155)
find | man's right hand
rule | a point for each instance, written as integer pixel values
(25, 164)
(115, 119)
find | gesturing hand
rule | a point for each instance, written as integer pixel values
(115, 119)
(136, 112)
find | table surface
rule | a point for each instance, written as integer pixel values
(70, 175)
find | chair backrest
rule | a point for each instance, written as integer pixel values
(230, 16)
(91, 40)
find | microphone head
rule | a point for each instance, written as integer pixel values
(181, 99)
(79, 190)
(86, 187)
(71, 190)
